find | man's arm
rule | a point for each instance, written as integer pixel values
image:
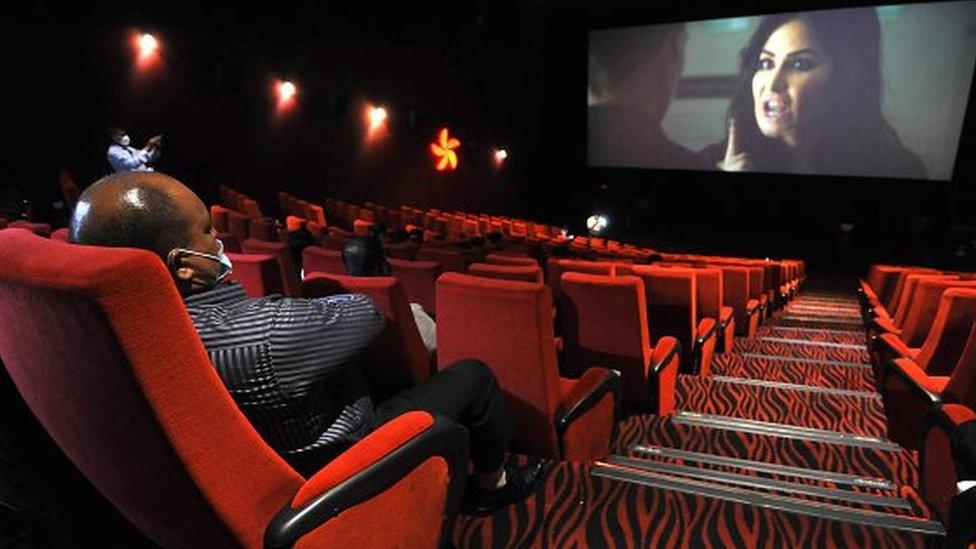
(312, 339)
(122, 160)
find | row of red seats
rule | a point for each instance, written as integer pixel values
(921, 331)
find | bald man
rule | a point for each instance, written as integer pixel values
(289, 363)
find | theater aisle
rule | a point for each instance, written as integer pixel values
(784, 444)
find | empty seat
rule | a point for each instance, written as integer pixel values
(125, 388)
(316, 259)
(506, 259)
(937, 470)
(735, 294)
(672, 310)
(556, 267)
(289, 274)
(41, 229)
(508, 325)
(523, 273)
(239, 224)
(449, 260)
(909, 388)
(398, 357)
(604, 321)
(258, 274)
(418, 279)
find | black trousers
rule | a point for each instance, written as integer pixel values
(468, 393)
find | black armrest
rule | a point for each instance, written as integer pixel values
(610, 383)
(443, 438)
(930, 397)
(675, 351)
(700, 340)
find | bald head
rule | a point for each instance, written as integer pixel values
(146, 210)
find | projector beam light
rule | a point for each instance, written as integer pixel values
(377, 118)
(500, 155)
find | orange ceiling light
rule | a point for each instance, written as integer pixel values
(444, 151)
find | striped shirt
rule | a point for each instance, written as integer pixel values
(288, 364)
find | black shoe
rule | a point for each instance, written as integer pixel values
(521, 481)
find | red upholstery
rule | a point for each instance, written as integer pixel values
(450, 260)
(556, 267)
(672, 307)
(263, 229)
(289, 276)
(361, 227)
(504, 259)
(401, 250)
(604, 321)
(140, 410)
(756, 275)
(735, 292)
(936, 467)
(398, 357)
(418, 279)
(508, 325)
(908, 295)
(60, 234)
(259, 274)
(523, 273)
(316, 259)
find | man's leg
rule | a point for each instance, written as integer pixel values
(468, 393)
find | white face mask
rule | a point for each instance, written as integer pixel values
(226, 267)
(124, 141)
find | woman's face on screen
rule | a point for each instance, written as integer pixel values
(790, 82)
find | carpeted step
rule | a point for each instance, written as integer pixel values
(792, 371)
(812, 334)
(859, 415)
(784, 347)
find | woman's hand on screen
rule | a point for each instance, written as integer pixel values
(735, 159)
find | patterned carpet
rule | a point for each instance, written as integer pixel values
(813, 344)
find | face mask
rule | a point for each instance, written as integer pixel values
(124, 141)
(226, 267)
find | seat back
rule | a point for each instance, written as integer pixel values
(504, 259)
(672, 305)
(604, 322)
(60, 234)
(961, 388)
(899, 286)
(316, 259)
(238, 224)
(398, 359)
(709, 294)
(735, 293)
(258, 274)
(556, 267)
(138, 406)
(908, 294)
(756, 284)
(418, 279)
(950, 330)
(922, 310)
(218, 218)
(507, 325)
(289, 274)
(450, 260)
(525, 273)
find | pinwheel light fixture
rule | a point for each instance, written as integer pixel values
(444, 151)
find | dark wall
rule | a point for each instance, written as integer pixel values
(496, 73)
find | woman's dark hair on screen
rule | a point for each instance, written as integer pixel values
(856, 139)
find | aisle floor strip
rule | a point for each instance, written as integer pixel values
(783, 430)
(853, 346)
(770, 501)
(806, 360)
(795, 386)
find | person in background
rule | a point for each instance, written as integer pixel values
(123, 157)
(633, 76)
(363, 256)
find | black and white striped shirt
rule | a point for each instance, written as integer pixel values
(288, 363)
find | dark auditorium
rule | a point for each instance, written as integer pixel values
(510, 274)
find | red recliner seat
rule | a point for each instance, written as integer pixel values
(735, 293)
(508, 325)
(398, 357)
(41, 229)
(523, 273)
(418, 279)
(218, 218)
(943, 344)
(937, 470)
(450, 260)
(289, 275)
(239, 224)
(604, 322)
(914, 320)
(672, 310)
(556, 267)
(125, 388)
(60, 234)
(316, 259)
(258, 274)
(711, 305)
(909, 389)
(505, 259)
